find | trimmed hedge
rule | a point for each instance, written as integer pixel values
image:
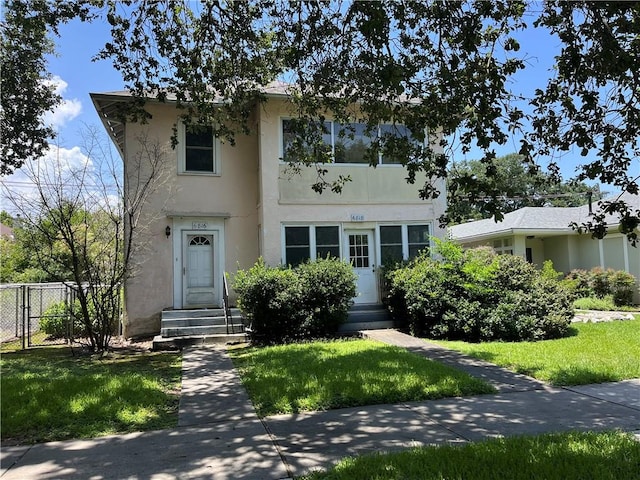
(601, 283)
(476, 295)
(311, 300)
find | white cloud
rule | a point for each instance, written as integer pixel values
(59, 166)
(66, 111)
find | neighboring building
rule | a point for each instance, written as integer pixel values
(6, 232)
(225, 206)
(543, 233)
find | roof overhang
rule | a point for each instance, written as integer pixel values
(512, 232)
(107, 106)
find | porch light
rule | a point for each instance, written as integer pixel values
(167, 231)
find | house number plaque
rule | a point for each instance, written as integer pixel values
(199, 226)
(357, 217)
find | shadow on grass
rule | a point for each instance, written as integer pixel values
(608, 455)
(49, 395)
(580, 376)
(307, 377)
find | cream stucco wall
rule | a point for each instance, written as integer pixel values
(557, 250)
(229, 199)
(536, 245)
(244, 207)
(376, 195)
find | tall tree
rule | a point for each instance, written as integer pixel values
(75, 220)
(512, 185)
(445, 69)
(27, 92)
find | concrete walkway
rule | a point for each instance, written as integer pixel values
(220, 437)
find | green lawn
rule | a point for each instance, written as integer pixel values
(595, 353)
(48, 394)
(325, 375)
(566, 456)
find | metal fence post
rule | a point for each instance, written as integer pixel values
(17, 315)
(24, 314)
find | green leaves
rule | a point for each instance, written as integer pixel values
(445, 68)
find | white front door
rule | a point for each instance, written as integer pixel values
(199, 286)
(361, 256)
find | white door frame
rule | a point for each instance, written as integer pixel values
(369, 294)
(181, 228)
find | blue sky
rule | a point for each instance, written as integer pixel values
(78, 76)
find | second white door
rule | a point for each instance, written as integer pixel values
(361, 250)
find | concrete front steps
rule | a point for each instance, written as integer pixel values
(367, 317)
(181, 328)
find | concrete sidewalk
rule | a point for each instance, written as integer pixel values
(220, 437)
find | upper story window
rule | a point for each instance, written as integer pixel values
(197, 150)
(345, 143)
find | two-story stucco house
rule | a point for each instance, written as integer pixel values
(224, 206)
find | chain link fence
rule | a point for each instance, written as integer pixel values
(23, 308)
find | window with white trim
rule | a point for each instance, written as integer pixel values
(302, 243)
(418, 239)
(391, 250)
(403, 242)
(197, 150)
(347, 143)
(503, 246)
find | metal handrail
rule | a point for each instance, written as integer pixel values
(225, 302)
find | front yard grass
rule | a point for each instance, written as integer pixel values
(595, 353)
(564, 456)
(48, 394)
(326, 375)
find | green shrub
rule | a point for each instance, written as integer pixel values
(269, 298)
(55, 320)
(594, 303)
(599, 284)
(308, 301)
(622, 286)
(327, 289)
(578, 282)
(476, 295)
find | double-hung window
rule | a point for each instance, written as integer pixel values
(302, 243)
(197, 150)
(402, 242)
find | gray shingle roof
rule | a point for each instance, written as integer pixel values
(534, 220)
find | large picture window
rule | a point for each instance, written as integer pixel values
(197, 150)
(346, 143)
(315, 146)
(304, 243)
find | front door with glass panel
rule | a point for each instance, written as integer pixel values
(199, 286)
(361, 250)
